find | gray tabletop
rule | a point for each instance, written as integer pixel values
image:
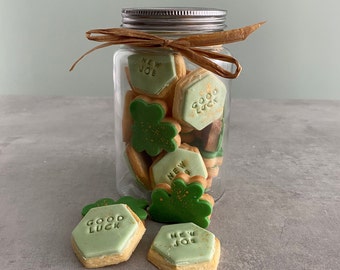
(281, 208)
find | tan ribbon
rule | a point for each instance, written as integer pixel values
(189, 46)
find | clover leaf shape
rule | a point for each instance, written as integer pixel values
(182, 204)
(150, 131)
(99, 203)
(138, 206)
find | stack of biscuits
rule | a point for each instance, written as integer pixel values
(173, 119)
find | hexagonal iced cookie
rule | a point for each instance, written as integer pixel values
(199, 99)
(184, 246)
(155, 74)
(185, 159)
(107, 235)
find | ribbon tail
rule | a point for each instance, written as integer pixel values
(201, 58)
(218, 38)
(90, 51)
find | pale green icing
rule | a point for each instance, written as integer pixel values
(206, 154)
(105, 230)
(203, 101)
(184, 243)
(181, 160)
(151, 73)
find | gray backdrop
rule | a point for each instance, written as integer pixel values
(294, 55)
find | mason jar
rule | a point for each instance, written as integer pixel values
(170, 115)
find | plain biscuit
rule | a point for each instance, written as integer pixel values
(139, 164)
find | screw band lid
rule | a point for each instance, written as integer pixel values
(174, 19)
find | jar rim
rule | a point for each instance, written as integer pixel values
(174, 19)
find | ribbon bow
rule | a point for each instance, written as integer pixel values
(189, 46)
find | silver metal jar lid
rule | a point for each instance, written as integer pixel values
(174, 19)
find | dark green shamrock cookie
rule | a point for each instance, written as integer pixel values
(138, 206)
(101, 202)
(183, 201)
(151, 132)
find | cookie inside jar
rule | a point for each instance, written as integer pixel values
(171, 114)
(173, 119)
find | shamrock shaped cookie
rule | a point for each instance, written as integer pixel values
(138, 206)
(183, 201)
(151, 131)
(101, 202)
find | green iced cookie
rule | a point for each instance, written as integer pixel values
(182, 204)
(151, 73)
(101, 202)
(199, 99)
(150, 131)
(107, 235)
(137, 205)
(218, 153)
(183, 244)
(165, 169)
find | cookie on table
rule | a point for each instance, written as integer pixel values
(151, 130)
(182, 201)
(185, 159)
(138, 206)
(107, 235)
(139, 163)
(98, 203)
(199, 99)
(155, 75)
(185, 246)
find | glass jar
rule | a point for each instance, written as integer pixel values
(171, 115)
